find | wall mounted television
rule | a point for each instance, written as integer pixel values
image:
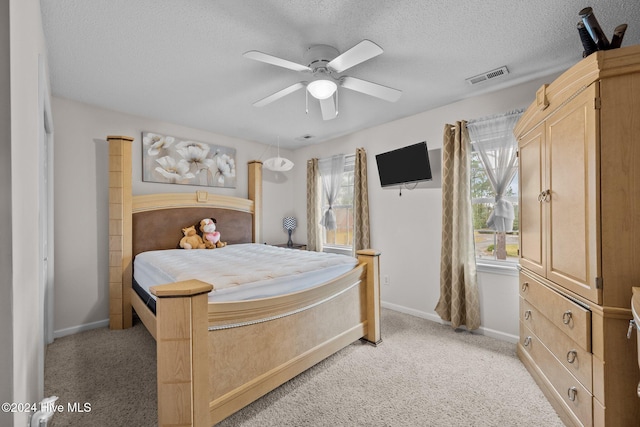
(404, 165)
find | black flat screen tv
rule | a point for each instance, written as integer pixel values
(404, 165)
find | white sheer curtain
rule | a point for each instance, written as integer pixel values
(331, 170)
(492, 138)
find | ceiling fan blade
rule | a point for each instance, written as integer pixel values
(281, 93)
(328, 107)
(274, 60)
(373, 89)
(361, 52)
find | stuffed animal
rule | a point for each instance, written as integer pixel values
(191, 239)
(210, 236)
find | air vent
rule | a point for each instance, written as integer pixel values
(488, 75)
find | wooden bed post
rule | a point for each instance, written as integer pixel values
(120, 244)
(255, 194)
(372, 259)
(183, 353)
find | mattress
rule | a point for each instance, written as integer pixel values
(243, 271)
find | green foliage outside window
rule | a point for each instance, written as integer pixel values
(482, 196)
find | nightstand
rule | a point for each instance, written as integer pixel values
(294, 246)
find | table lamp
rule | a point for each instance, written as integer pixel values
(289, 224)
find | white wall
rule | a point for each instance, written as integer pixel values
(81, 208)
(406, 229)
(26, 44)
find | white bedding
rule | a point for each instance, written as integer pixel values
(241, 272)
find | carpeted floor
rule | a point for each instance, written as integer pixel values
(423, 374)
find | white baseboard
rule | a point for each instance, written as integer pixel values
(412, 312)
(80, 328)
(435, 318)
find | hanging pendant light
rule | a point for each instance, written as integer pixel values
(278, 164)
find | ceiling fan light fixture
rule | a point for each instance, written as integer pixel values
(322, 88)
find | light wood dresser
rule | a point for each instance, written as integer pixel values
(579, 156)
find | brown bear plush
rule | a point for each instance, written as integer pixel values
(191, 239)
(210, 236)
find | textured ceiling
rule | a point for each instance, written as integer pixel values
(181, 61)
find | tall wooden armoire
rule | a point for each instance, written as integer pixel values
(579, 156)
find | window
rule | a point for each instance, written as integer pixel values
(341, 239)
(494, 187)
(489, 243)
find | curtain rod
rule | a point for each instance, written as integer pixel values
(496, 116)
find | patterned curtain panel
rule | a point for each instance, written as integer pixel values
(314, 239)
(459, 301)
(361, 239)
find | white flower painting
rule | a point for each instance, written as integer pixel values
(175, 160)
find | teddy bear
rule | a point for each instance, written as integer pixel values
(210, 236)
(191, 239)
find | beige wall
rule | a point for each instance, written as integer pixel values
(81, 222)
(6, 321)
(407, 229)
(26, 44)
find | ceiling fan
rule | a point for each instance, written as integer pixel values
(324, 64)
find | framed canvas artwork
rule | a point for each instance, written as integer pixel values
(174, 160)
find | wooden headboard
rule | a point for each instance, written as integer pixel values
(158, 219)
(143, 219)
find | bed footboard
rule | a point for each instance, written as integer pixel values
(288, 335)
(182, 349)
(207, 372)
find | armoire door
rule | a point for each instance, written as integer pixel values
(531, 151)
(573, 215)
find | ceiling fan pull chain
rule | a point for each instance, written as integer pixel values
(306, 101)
(337, 105)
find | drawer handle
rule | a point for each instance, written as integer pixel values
(572, 392)
(566, 317)
(572, 355)
(527, 314)
(525, 285)
(527, 341)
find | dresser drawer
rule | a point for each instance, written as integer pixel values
(573, 395)
(571, 318)
(576, 359)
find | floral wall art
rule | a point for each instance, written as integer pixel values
(175, 160)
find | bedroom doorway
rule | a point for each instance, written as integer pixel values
(45, 217)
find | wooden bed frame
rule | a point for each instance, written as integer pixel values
(215, 358)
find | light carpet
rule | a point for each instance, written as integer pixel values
(423, 374)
